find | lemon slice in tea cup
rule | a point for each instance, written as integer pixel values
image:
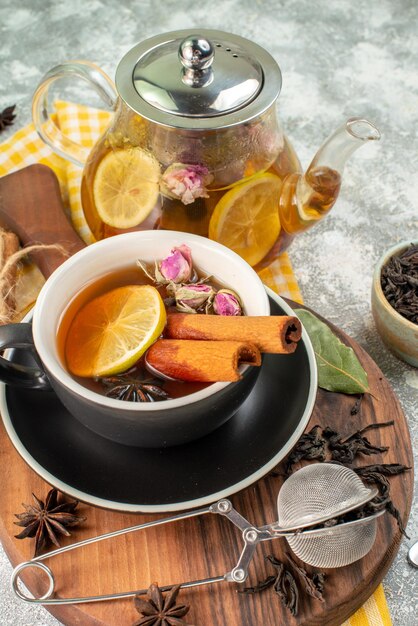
(111, 332)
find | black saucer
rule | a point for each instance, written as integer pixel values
(101, 472)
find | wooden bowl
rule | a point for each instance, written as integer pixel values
(398, 333)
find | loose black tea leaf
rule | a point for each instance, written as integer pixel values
(314, 584)
(356, 406)
(376, 474)
(387, 469)
(260, 586)
(311, 446)
(286, 588)
(399, 281)
(6, 117)
(285, 585)
(345, 450)
(318, 444)
(375, 426)
(319, 581)
(391, 508)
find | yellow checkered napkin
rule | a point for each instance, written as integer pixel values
(85, 125)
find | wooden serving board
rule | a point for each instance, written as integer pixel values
(31, 206)
(210, 546)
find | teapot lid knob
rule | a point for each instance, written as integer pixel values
(196, 52)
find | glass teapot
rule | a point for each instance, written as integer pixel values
(195, 145)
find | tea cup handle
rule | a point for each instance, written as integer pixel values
(14, 374)
(44, 123)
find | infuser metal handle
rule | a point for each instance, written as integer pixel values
(225, 508)
(47, 599)
(251, 535)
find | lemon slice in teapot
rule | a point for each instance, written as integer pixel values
(246, 219)
(126, 187)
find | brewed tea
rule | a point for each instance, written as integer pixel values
(197, 294)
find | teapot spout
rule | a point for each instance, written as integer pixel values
(338, 148)
(307, 198)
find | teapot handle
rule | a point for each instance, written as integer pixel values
(44, 124)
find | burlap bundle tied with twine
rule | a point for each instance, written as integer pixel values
(19, 284)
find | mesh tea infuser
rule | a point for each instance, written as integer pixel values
(311, 496)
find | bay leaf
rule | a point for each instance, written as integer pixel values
(338, 367)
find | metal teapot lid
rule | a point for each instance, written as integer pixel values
(207, 80)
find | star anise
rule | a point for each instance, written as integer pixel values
(46, 520)
(158, 610)
(6, 117)
(134, 387)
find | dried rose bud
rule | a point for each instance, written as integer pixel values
(227, 302)
(177, 267)
(186, 182)
(189, 298)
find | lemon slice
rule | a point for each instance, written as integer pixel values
(111, 332)
(126, 187)
(246, 219)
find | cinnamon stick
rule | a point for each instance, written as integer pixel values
(201, 361)
(278, 334)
